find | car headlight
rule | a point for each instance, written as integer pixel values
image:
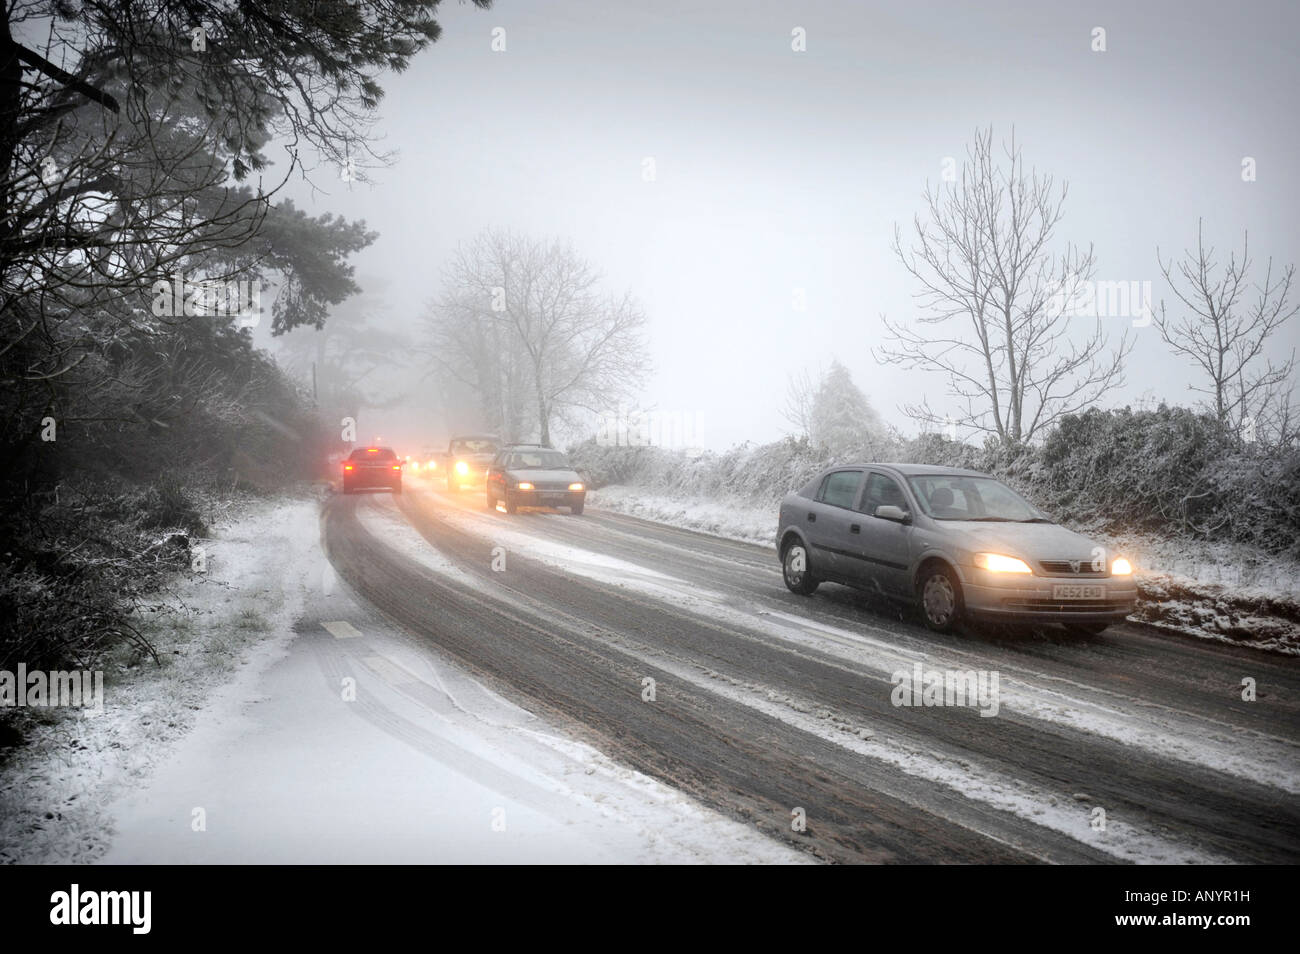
(432, 465)
(997, 563)
(1121, 567)
(462, 467)
(576, 487)
(525, 485)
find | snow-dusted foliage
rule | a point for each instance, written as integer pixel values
(842, 420)
(1170, 471)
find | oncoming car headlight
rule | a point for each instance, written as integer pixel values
(1121, 567)
(462, 467)
(997, 563)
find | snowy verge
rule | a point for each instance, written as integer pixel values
(209, 631)
(1226, 592)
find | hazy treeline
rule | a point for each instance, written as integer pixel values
(140, 238)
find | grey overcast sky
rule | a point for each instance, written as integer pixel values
(778, 170)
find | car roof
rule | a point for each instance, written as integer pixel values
(477, 437)
(917, 470)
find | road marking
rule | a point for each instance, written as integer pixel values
(342, 629)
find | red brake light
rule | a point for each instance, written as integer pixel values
(347, 466)
(397, 467)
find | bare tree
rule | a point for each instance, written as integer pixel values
(519, 312)
(797, 410)
(988, 281)
(470, 345)
(1225, 333)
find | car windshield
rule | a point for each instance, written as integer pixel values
(537, 460)
(957, 497)
(474, 445)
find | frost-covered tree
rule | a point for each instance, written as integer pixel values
(842, 419)
(523, 322)
(1224, 329)
(989, 282)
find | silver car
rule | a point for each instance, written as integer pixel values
(957, 543)
(534, 475)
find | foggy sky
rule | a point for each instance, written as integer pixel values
(778, 170)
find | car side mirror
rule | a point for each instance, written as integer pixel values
(890, 512)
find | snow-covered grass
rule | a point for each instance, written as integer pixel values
(56, 787)
(1224, 591)
(733, 519)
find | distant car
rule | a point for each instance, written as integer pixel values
(431, 462)
(957, 543)
(467, 459)
(368, 467)
(533, 475)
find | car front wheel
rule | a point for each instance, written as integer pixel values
(940, 599)
(797, 571)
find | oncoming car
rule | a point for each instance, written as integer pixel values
(957, 543)
(467, 460)
(372, 467)
(533, 475)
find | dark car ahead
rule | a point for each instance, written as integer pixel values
(957, 543)
(533, 475)
(368, 467)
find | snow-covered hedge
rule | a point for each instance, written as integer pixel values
(1168, 470)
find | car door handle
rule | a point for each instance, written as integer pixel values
(812, 518)
(854, 528)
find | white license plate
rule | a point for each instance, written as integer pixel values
(1078, 591)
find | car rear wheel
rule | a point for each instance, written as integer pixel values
(796, 570)
(397, 488)
(576, 509)
(491, 501)
(941, 602)
(511, 505)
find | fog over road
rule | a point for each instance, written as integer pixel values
(766, 703)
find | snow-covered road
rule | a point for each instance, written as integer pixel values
(349, 741)
(417, 679)
(1127, 747)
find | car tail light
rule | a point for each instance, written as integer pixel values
(397, 467)
(347, 466)
(525, 485)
